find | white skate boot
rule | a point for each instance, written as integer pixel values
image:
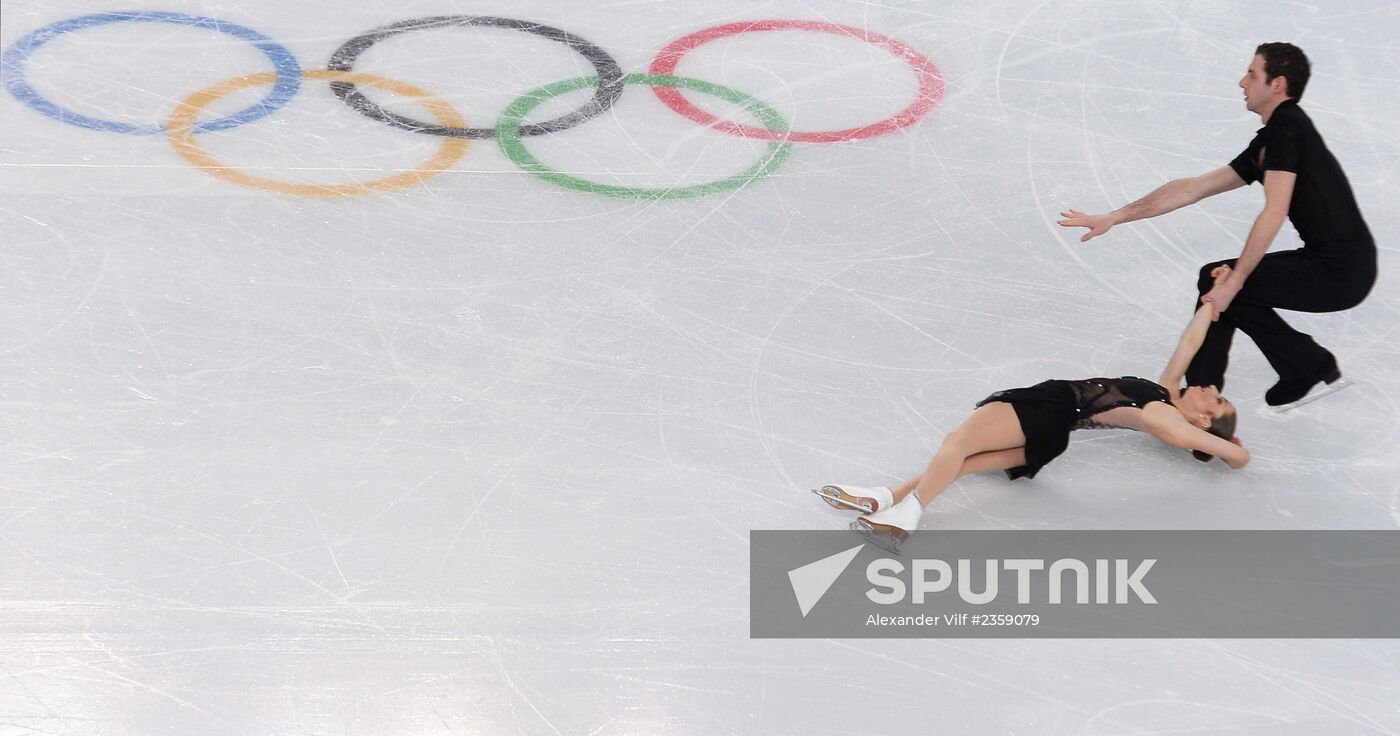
(889, 528)
(867, 500)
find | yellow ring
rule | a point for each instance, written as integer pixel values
(181, 135)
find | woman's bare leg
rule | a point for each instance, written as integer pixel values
(982, 462)
(990, 439)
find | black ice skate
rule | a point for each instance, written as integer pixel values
(1288, 395)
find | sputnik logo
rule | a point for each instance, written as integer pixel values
(811, 581)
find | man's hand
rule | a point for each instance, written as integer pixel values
(1097, 224)
(1224, 291)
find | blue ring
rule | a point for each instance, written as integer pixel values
(13, 61)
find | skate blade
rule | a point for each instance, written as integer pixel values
(839, 499)
(1326, 390)
(885, 537)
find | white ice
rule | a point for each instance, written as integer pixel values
(481, 455)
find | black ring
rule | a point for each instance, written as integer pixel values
(610, 83)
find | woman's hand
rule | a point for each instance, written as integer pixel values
(1241, 456)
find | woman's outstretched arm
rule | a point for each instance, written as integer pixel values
(1191, 339)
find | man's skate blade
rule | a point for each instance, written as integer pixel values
(838, 499)
(888, 541)
(1324, 391)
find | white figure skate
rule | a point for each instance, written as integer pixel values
(890, 528)
(865, 500)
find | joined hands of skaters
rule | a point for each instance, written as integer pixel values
(1223, 292)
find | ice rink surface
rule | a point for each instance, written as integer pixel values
(478, 451)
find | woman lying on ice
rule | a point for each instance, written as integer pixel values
(1021, 429)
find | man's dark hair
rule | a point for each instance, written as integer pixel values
(1287, 61)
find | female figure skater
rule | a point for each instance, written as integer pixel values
(1021, 429)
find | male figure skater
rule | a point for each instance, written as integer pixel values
(1333, 271)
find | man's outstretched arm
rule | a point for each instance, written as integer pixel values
(1173, 195)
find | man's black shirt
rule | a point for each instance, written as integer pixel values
(1323, 209)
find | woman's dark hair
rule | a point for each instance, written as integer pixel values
(1223, 427)
(1287, 61)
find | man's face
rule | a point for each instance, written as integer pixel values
(1259, 94)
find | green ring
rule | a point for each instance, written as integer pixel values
(508, 135)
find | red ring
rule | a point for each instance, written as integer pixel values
(930, 81)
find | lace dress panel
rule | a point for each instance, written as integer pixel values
(1094, 396)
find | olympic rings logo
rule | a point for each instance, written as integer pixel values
(510, 131)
